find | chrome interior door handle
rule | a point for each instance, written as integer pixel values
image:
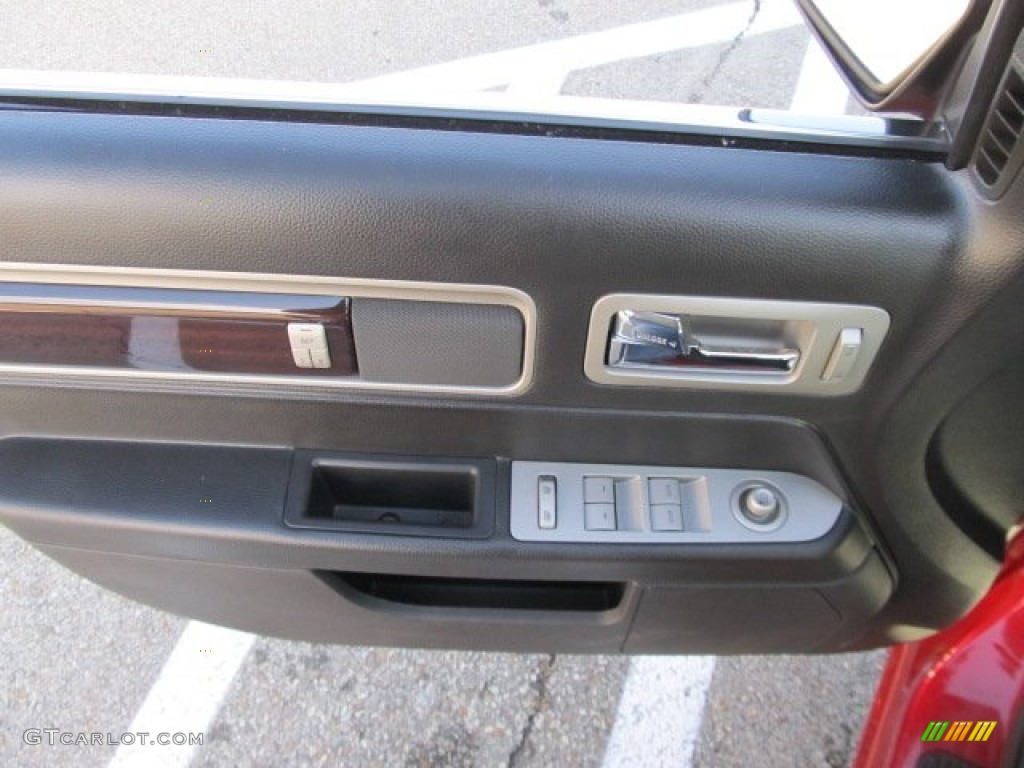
(781, 359)
(655, 339)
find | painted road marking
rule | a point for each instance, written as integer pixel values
(186, 695)
(660, 712)
(819, 88)
(532, 76)
(543, 67)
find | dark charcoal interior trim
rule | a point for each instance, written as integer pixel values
(565, 222)
(181, 510)
(392, 495)
(976, 456)
(503, 594)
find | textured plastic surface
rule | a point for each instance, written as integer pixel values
(976, 458)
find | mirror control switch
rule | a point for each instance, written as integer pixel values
(309, 345)
(547, 502)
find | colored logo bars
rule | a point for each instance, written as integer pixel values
(969, 730)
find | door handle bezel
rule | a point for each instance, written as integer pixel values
(811, 330)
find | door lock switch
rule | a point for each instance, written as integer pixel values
(547, 502)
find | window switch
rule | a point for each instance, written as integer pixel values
(666, 517)
(599, 517)
(663, 490)
(598, 490)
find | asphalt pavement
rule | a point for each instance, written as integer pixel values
(77, 658)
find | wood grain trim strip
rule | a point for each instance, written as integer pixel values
(170, 330)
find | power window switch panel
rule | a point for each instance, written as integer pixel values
(309, 345)
(599, 517)
(598, 490)
(666, 517)
(663, 490)
(547, 503)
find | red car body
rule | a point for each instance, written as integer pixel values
(972, 672)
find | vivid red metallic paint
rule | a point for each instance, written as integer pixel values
(973, 670)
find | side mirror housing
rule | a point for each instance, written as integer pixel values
(901, 63)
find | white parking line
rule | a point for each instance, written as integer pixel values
(660, 712)
(819, 88)
(551, 62)
(186, 695)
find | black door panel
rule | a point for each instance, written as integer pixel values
(185, 513)
(101, 473)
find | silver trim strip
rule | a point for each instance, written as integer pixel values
(281, 284)
(665, 117)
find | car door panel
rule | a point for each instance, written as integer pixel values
(109, 474)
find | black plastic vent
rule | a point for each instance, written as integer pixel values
(997, 155)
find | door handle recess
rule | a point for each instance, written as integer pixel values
(731, 344)
(655, 339)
